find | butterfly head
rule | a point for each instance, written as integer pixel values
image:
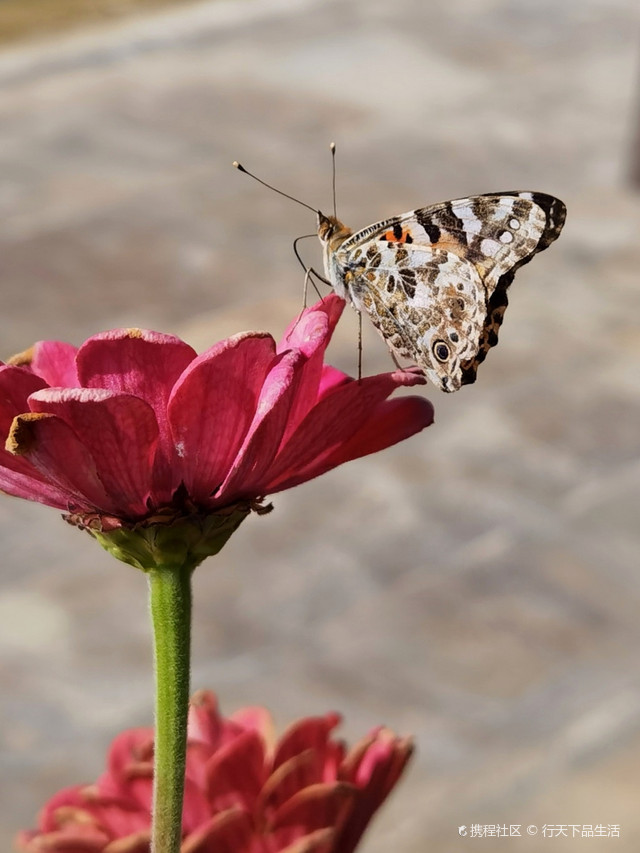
(331, 231)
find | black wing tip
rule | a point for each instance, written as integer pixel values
(555, 211)
(468, 375)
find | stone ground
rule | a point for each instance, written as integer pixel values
(478, 585)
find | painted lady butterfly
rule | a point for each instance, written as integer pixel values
(434, 281)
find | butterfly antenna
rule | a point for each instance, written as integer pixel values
(333, 177)
(241, 168)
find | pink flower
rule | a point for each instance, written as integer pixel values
(245, 791)
(133, 428)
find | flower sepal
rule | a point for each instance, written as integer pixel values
(172, 541)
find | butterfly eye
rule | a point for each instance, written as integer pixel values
(441, 351)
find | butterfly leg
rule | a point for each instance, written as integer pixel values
(309, 271)
(394, 358)
(307, 276)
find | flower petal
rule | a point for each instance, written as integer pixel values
(55, 362)
(196, 809)
(139, 842)
(146, 365)
(212, 407)
(316, 807)
(18, 477)
(53, 449)
(332, 423)
(16, 384)
(256, 718)
(134, 361)
(64, 801)
(377, 761)
(80, 839)
(331, 378)
(310, 334)
(392, 421)
(129, 768)
(118, 818)
(321, 841)
(235, 773)
(263, 439)
(304, 333)
(292, 776)
(205, 721)
(309, 733)
(230, 831)
(119, 431)
(374, 765)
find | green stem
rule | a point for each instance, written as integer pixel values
(170, 596)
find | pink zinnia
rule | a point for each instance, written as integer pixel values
(245, 791)
(135, 430)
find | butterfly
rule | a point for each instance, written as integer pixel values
(434, 281)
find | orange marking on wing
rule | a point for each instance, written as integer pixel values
(390, 237)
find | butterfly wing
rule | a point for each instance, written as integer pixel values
(438, 276)
(428, 305)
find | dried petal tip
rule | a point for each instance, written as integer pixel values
(243, 794)
(21, 359)
(22, 438)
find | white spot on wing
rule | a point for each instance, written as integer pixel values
(506, 237)
(505, 207)
(471, 222)
(489, 247)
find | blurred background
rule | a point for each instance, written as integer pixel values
(477, 586)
